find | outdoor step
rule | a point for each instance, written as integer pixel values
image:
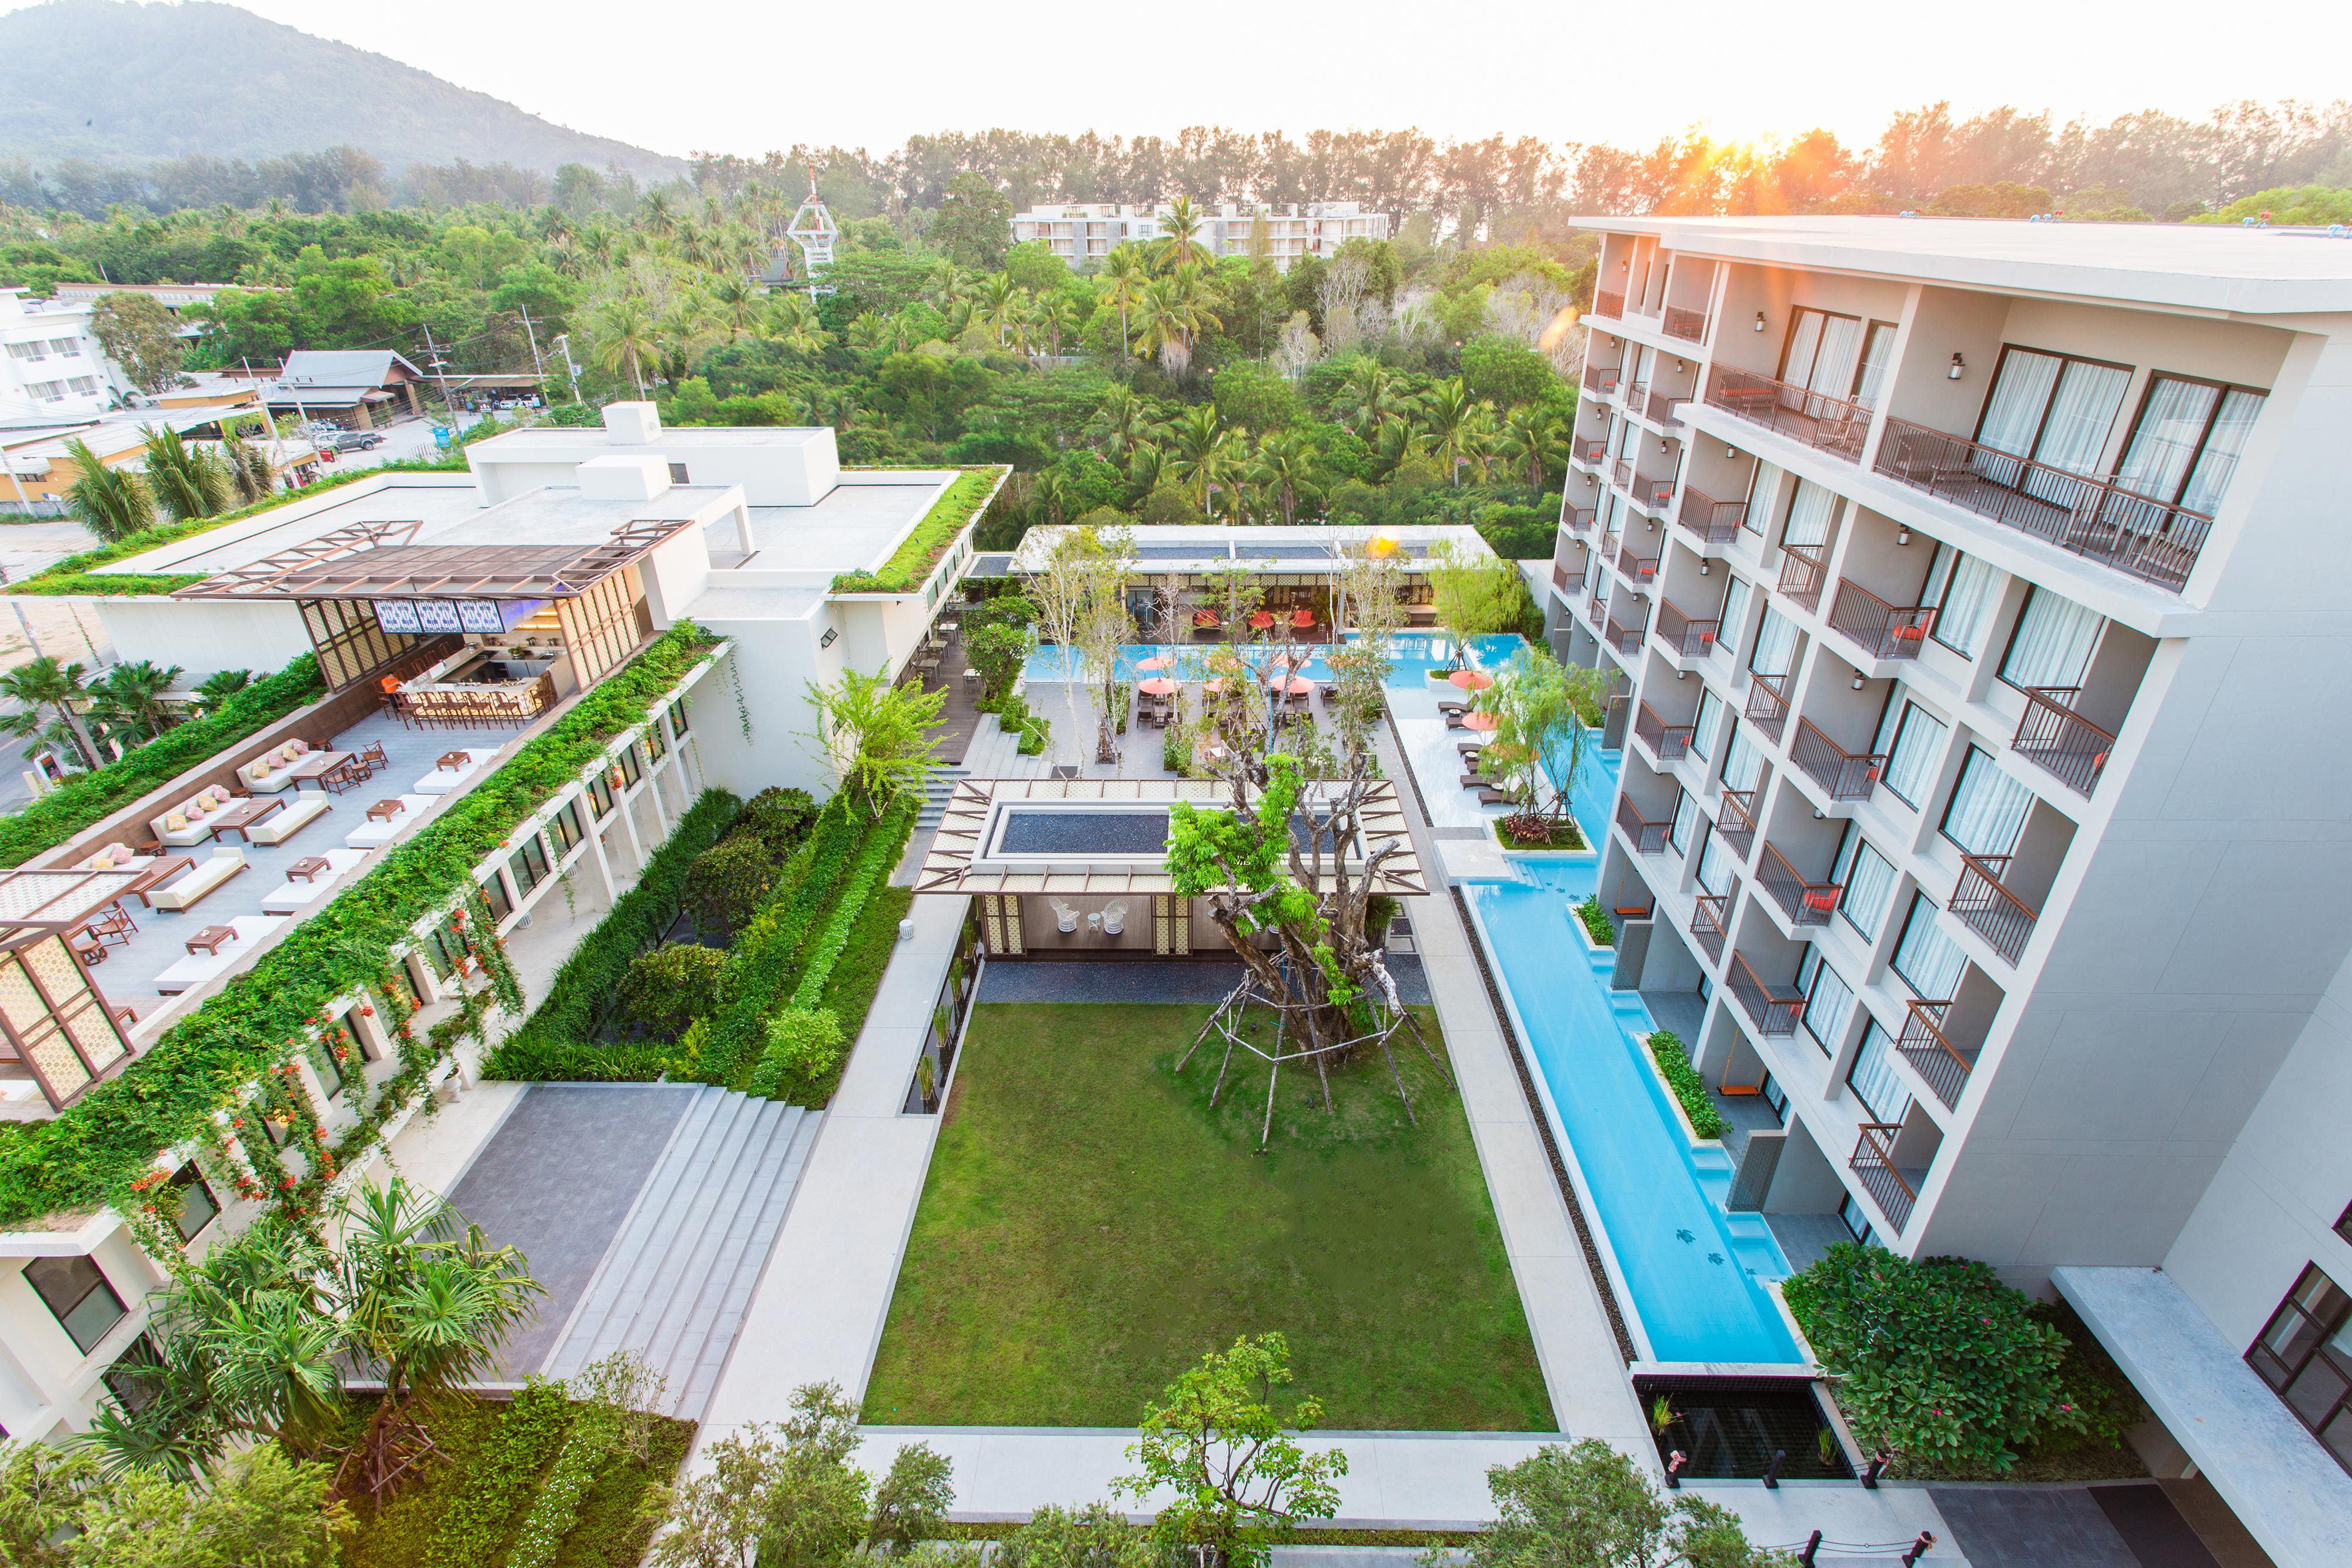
(721, 1242)
(737, 1300)
(656, 1276)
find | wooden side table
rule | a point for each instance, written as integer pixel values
(306, 869)
(210, 939)
(384, 811)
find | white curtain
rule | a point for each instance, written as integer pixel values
(1840, 351)
(1873, 1080)
(2164, 443)
(2081, 412)
(1715, 866)
(1744, 765)
(1808, 526)
(1988, 809)
(1804, 346)
(1685, 819)
(1929, 962)
(1776, 645)
(1911, 761)
(1869, 884)
(1733, 614)
(1828, 1002)
(1710, 709)
(2053, 643)
(1965, 593)
(2021, 394)
(1877, 354)
(2220, 459)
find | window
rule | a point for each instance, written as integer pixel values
(1749, 515)
(1965, 591)
(1872, 1077)
(336, 1076)
(678, 474)
(78, 1296)
(1734, 612)
(1829, 1001)
(495, 891)
(1988, 808)
(67, 347)
(1823, 352)
(1685, 820)
(197, 1203)
(134, 1379)
(677, 718)
(1868, 880)
(1807, 525)
(2053, 643)
(1776, 646)
(600, 797)
(657, 743)
(26, 351)
(1743, 765)
(2054, 410)
(2305, 1353)
(1929, 961)
(564, 827)
(1916, 743)
(85, 385)
(2343, 1224)
(1703, 725)
(1877, 354)
(1714, 867)
(2185, 442)
(442, 951)
(1856, 1220)
(527, 864)
(625, 770)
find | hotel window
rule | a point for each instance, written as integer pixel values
(678, 474)
(2051, 647)
(2053, 409)
(67, 347)
(1823, 352)
(564, 828)
(600, 797)
(625, 771)
(1986, 811)
(444, 952)
(1964, 591)
(1929, 961)
(1807, 525)
(1873, 1080)
(677, 726)
(1869, 883)
(1685, 820)
(1743, 765)
(2343, 1224)
(1829, 1001)
(197, 1203)
(657, 743)
(1714, 868)
(1703, 725)
(85, 385)
(1775, 653)
(1878, 357)
(1750, 512)
(336, 1076)
(494, 889)
(1911, 744)
(78, 1296)
(2305, 1353)
(136, 1377)
(1734, 612)
(26, 351)
(527, 865)
(2186, 442)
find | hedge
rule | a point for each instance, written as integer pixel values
(481, 1518)
(1673, 1057)
(89, 1154)
(88, 798)
(920, 550)
(558, 1509)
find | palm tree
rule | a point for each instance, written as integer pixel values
(1481, 442)
(249, 468)
(114, 502)
(739, 303)
(1447, 410)
(1147, 469)
(999, 303)
(1178, 243)
(1123, 274)
(1397, 442)
(221, 686)
(1124, 419)
(128, 702)
(1532, 440)
(1173, 310)
(189, 481)
(793, 323)
(1056, 315)
(945, 283)
(44, 684)
(1369, 396)
(1207, 454)
(659, 215)
(624, 333)
(1286, 465)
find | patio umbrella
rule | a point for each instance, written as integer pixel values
(1204, 618)
(1303, 618)
(1471, 680)
(1299, 686)
(1481, 721)
(1157, 687)
(1212, 686)
(1260, 620)
(1156, 662)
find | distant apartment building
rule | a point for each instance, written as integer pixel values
(1085, 232)
(1977, 596)
(51, 368)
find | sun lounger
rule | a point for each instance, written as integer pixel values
(300, 895)
(199, 880)
(373, 835)
(441, 780)
(197, 967)
(277, 829)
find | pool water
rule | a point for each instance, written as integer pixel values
(1694, 1271)
(1412, 655)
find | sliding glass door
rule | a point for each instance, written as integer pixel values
(2052, 411)
(2186, 442)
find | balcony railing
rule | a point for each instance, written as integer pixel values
(2069, 746)
(1804, 903)
(1633, 566)
(1873, 1162)
(1595, 374)
(1577, 519)
(1590, 453)
(1656, 495)
(1708, 913)
(1626, 640)
(1691, 638)
(1773, 1009)
(1845, 775)
(2097, 518)
(1934, 1057)
(1716, 522)
(1735, 821)
(1596, 609)
(1648, 838)
(1831, 423)
(1636, 394)
(1803, 570)
(1881, 630)
(1622, 472)
(1768, 702)
(1667, 742)
(1609, 302)
(1662, 409)
(1559, 577)
(2004, 920)
(1688, 325)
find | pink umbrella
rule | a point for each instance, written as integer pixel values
(1156, 662)
(1212, 686)
(1157, 687)
(1471, 680)
(1479, 721)
(1298, 687)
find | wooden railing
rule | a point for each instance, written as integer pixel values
(1708, 913)
(1648, 838)
(1656, 494)
(1662, 409)
(1626, 639)
(1773, 1009)
(2050, 733)
(1596, 609)
(1768, 702)
(1633, 566)
(1691, 638)
(1881, 630)
(1873, 1162)
(1804, 903)
(1803, 570)
(1831, 423)
(1735, 821)
(2093, 518)
(1560, 575)
(2004, 920)
(1688, 325)
(1845, 775)
(1716, 522)
(1577, 519)
(1934, 1058)
(1609, 302)
(1667, 742)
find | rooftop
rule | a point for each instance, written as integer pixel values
(539, 443)
(2207, 267)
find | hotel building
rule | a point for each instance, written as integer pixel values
(1085, 232)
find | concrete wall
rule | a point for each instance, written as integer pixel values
(775, 661)
(204, 637)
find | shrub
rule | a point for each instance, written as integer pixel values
(1034, 734)
(1936, 1358)
(558, 1507)
(1673, 1057)
(803, 1044)
(730, 880)
(1597, 924)
(920, 550)
(667, 990)
(476, 1526)
(779, 819)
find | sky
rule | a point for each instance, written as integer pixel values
(727, 75)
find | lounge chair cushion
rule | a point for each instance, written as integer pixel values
(193, 885)
(285, 824)
(175, 820)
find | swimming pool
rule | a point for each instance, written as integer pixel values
(1412, 655)
(1696, 1273)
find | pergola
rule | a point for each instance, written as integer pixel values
(53, 1016)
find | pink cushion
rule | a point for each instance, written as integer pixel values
(119, 854)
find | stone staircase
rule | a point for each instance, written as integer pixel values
(940, 785)
(677, 1279)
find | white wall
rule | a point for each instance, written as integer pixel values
(774, 660)
(203, 636)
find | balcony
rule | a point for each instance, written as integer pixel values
(1667, 742)
(1843, 775)
(2095, 519)
(1636, 394)
(1773, 1009)
(1595, 375)
(1832, 424)
(1708, 913)
(1621, 474)
(1735, 821)
(1768, 702)
(2066, 744)
(1660, 410)
(2004, 920)
(1655, 494)
(1559, 577)
(1943, 1065)
(1635, 568)
(1803, 570)
(1691, 638)
(1609, 302)
(1873, 1162)
(1716, 522)
(1804, 903)
(1648, 838)
(1626, 640)
(1688, 325)
(1881, 630)
(1596, 609)
(1577, 519)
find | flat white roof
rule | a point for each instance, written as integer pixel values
(545, 443)
(855, 528)
(2209, 267)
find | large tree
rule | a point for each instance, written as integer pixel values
(878, 737)
(1589, 1506)
(975, 226)
(139, 335)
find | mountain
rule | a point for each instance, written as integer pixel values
(122, 83)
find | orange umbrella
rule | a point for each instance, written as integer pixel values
(1204, 618)
(1298, 687)
(1212, 685)
(1471, 680)
(1156, 662)
(1157, 687)
(1302, 619)
(1260, 620)
(1479, 721)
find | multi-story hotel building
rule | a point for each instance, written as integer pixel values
(1977, 590)
(1085, 232)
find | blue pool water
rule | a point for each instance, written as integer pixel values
(1694, 1272)
(1412, 655)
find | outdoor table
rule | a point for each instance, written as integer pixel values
(314, 765)
(236, 819)
(384, 811)
(306, 869)
(454, 760)
(210, 939)
(161, 870)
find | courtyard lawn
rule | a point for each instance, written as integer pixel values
(1090, 1227)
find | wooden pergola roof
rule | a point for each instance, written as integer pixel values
(43, 902)
(372, 561)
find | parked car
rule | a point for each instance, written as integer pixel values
(357, 441)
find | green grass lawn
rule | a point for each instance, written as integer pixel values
(1091, 1226)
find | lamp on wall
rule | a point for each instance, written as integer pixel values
(1760, 320)
(1902, 534)
(1857, 680)
(1959, 365)
(830, 633)
(1702, 568)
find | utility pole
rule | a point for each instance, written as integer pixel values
(536, 363)
(440, 368)
(571, 366)
(276, 447)
(17, 604)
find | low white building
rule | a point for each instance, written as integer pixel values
(1084, 232)
(51, 368)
